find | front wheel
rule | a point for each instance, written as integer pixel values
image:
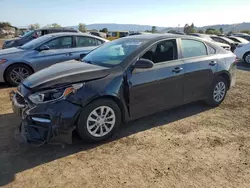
(247, 57)
(99, 120)
(17, 73)
(217, 92)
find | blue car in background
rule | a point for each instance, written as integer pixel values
(33, 34)
(18, 63)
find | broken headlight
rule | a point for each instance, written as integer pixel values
(54, 94)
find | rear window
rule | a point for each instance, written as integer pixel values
(87, 41)
(193, 48)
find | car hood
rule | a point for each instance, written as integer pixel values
(65, 73)
(10, 51)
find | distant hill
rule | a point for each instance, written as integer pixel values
(120, 27)
(135, 27)
(230, 27)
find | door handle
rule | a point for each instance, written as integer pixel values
(212, 63)
(177, 69)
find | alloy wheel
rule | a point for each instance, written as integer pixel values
(18, 74)
(247, 58)
(219, 91)
(101, 121)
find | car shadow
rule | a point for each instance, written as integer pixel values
(243, 66)
(16, 157)
(4, 85)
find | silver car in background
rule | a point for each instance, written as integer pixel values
(18, 63)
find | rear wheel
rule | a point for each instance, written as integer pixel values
(218, 92)
(247, 57)
(17, 73)
(99, 120)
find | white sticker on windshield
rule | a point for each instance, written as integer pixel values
(132, 43)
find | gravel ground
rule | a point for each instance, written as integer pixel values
(189, 146)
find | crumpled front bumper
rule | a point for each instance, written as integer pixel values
(46, 123)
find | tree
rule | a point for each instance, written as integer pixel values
(172, 31)
(82, 27)
(104, 30)
(37, 26)
(221, 30)
(153, 29)
(192, 26)
(200, 31)
(212, 31)
(189, 29)
(55, 25)
(47, 26)
(5, 24)
(34, 26)
(186, 28)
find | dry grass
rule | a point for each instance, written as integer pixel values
(190, 146)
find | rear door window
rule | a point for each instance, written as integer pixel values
(193, 48)
(60, 43)
(86, 41)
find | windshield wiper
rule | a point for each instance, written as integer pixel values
(89, 62)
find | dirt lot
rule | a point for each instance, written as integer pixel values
(190, 146)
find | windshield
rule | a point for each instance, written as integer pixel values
(227, 39)
(36, 42)
(244, 41)
(28, 33)
(113, 53)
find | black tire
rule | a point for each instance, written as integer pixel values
(81, 127)
(211, 101)
(7, 75)
(245, 56)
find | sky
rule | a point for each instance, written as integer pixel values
(166, 13)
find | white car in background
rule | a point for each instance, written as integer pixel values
(243, 52)
(208, 38)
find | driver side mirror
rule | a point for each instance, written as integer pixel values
(143, 64)
(44, 47)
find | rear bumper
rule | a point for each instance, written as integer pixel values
(46, 123)
(239, 52)
(232, 72)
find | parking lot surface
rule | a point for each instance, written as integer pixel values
(189, 146)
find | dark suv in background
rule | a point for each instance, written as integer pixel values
(30, 35)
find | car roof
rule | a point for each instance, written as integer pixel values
(75, 34)
(56, 28)
(162, 36)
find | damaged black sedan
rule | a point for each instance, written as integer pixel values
(120, 81)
